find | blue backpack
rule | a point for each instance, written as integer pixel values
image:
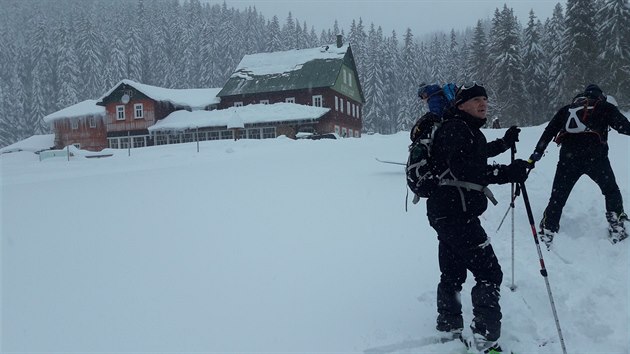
(420, 178)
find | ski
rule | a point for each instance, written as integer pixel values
(414, 344)
(390, 162)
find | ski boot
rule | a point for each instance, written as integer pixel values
(449, 336)
(616, 226)
(480, 344)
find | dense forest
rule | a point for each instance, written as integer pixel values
(56, 53)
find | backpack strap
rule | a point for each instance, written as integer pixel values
(468, 186)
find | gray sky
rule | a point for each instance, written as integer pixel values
(419, 15)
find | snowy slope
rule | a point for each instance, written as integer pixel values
(281, 246)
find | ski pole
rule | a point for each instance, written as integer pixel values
(515, 194)
(512, 155)
(543, 270)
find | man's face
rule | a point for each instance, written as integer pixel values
(476, 107)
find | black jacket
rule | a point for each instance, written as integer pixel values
(593, 141)
(459, 145)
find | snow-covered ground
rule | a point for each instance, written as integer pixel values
(281, 246)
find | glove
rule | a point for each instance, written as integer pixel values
(511, 135)
(536, 156)
(517, 171)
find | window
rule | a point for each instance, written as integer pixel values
(317, 101)
(349, 78)
(348, 106)
(344, 132)
(269, 133)
(289, 100)
(214, 135)
(120, 112)
(124, 143)
(358, 112)
(161, 139)
(253, 133)
(264, 101)
(336, 103)
(354, 110)
(356, 133)
(113, 143)
(74, 123)
(337, 129)
(188, 137)
(226, 135)
(92, 122)
(341, 105)
(138, 111)
(139, 141)
(238, 104)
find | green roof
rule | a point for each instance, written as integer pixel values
(289, 70)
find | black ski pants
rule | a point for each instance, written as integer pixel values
(463, 247)
(570, 168)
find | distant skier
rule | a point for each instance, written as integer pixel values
(581, 128)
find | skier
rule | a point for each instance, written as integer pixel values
(460, 150)
(581, 129)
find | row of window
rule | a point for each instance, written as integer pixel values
(286, 100)
(74, 123)
(138, 111)
(351, 109)
(346, 132)
(123, 142)
(188, 137)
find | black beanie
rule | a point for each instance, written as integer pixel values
(593, 91)
(468, 92)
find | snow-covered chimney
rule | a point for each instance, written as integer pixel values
(339, 41)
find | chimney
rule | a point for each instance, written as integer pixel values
(339, 41)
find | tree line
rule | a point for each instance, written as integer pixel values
(55, 54)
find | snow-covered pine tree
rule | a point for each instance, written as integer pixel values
(554, 43)
(409, 102)
(478, 55)
(506, 80)
(614, 57)
(582, 46)
(535, 74)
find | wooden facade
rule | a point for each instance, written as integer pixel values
(87, 132)
(335, 121)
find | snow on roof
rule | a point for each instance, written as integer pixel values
(33, 143)
(250, 114)
(81, 109)
(193, 98)
(282, 62)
